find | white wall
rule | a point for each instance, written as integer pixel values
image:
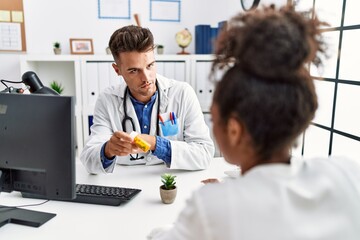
(47, 21)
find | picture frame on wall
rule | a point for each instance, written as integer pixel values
(81, 46)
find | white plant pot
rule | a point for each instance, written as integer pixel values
(160, 50)
(57, 51)
(167, 196)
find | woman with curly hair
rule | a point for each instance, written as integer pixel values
(264, 101)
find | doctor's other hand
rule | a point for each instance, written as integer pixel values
(120, 144)
(210, 180)
(149, 139)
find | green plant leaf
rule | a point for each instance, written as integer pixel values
(57, 45)
(57, 87)
(168, 180)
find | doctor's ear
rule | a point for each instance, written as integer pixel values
(116, 68)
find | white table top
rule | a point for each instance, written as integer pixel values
(133, 220)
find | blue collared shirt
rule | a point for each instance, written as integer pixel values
(143, 113)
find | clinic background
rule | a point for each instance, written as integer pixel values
(336, 125)
(48, 21)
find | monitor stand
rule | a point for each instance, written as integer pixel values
(23, 216)
(18, 215)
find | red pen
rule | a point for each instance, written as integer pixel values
(171, 119)
(161, 120)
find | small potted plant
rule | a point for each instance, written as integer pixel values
(57, 87)
(57, 48)
(168, 190)
(160, 49)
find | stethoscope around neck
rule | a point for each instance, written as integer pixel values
(127, 118)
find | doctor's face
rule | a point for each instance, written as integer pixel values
(139, 72)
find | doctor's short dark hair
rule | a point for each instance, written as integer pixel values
(268, 87)
(131, 38)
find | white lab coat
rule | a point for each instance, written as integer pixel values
(313, 199)
(191, 149)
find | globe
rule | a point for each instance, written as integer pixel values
(183, 39)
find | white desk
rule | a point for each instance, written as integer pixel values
(133, 220)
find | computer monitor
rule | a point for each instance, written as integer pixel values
(37, 152)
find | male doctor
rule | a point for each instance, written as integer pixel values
(165, 112)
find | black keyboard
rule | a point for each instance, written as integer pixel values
(104, 195)
(97, 194)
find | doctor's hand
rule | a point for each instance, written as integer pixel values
(120, 144)
(149, 139)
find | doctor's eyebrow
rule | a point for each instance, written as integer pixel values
(152, 63)
(132, 69)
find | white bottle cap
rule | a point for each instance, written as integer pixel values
(133, 135)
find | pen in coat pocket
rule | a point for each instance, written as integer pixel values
(173, 116)
(161, 120)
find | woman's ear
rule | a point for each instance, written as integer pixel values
(234, 131)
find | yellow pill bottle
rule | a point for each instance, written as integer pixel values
(141, 143)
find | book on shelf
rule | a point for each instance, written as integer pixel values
(205, 37)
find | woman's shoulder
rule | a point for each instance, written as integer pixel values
(344, 166)
(342, 162)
